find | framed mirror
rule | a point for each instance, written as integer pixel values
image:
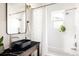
(15, 18)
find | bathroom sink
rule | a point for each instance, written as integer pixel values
(20, 45)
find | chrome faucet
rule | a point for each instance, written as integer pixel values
(75, 44)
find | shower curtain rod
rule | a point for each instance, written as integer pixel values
(71, 9)
(53, 4)
(44, 5)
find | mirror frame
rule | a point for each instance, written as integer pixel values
(7, 21)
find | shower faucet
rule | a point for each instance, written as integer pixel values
(75, 44)
(75, 48)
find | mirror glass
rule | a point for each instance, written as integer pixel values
(15, 18)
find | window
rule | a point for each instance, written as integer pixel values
(58, 18)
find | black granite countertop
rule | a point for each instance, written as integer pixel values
(10, 52)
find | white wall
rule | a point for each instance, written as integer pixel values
(3, 24)
(69, 36)
(39, 28)
(37, 25)
(77, 28)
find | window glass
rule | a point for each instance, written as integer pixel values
(58, 18)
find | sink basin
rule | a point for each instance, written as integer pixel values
(20, 45)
